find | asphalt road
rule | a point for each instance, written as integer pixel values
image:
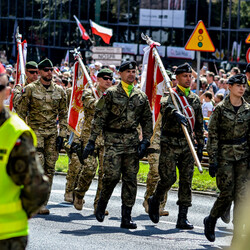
(67, 228)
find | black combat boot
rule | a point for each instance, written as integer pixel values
(182, 222)
(100, 210)
(209, 226)
(153, 209)
(126, 218)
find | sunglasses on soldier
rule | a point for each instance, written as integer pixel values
(107, 78)
(47, 69)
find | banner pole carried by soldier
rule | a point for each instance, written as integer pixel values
(175, 149)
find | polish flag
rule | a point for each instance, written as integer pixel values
(104, 33)
(152, 80)
(84, 34)
(76, 113)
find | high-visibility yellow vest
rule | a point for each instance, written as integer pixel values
(13, 219)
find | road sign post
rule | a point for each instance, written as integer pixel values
(199, 41)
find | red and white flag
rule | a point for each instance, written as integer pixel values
(76, 113)
(18, 70)
(84, 34)
(152, 81)
(103, 32)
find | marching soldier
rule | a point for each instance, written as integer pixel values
(118, 114)
(175, 150)
(88, 170)
(42, 102)
(228, 149)
(23, 186)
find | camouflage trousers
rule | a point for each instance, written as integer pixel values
(47, 153)
(170, 157)
(17, 243)
(88, 171)
(232, 178)
(117, 165)
(153, 178)
(72, 174)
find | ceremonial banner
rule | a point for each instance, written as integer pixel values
(76, 114)
(152, 80)
(84, 34)
(18, 70)
(104, 33)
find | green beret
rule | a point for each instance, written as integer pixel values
(46, 63)
(105, 72)
(237, 79)
(183, 68)
(127, 65)
(31, 65)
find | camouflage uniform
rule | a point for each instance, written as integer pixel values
(119, 116)
(247, 93)
(88, 170)
(175, 150)
(42, 106)
(153, 174)
(228, 146)
(35, 184)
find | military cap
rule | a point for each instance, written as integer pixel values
(46, 63)
(127, 65)
(183, 68)
(237, 79)
(105, 72)
(248, 68)
(31, 65)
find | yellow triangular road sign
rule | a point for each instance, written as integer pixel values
(200, 39)
(248, 39)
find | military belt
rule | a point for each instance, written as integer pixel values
(121, 131)
(236, 141)
(171, 134)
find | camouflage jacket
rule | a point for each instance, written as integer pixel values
(42, 106)
(119, 116)
(247, 93)
(29, 174)
(17, 94)
(171, 131)
(226, 126)
(89, 104)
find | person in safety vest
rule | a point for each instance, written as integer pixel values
(23, 186)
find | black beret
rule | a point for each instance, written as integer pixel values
(31, 65)
(127, 65)
(183, 68)
(46, 63)
(248, 68)
(237, 79)
(105, 72)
